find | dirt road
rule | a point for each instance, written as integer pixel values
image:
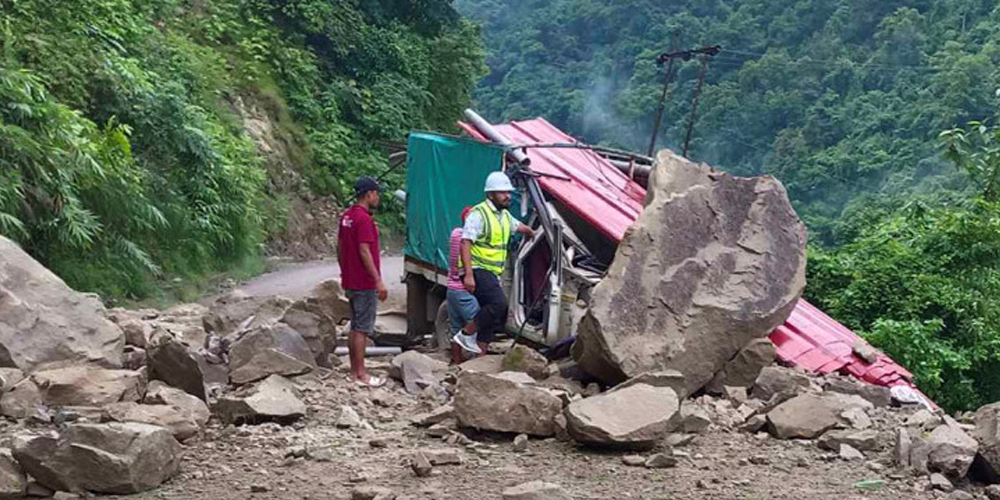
(297, 280)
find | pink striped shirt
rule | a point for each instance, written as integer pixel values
(454, 260)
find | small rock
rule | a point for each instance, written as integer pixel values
(443, 456)
(259, 488)
(940, 482)
(856, 418)
(421, 465)
(676, 440)
(694, 418)
(520, 443)
(13, 482)
(923, 419)
(348, 418)
(536, 490)
(634, 460)
(378, 443)
(522, 358)
(661, 461)
(754, 424)
(960, 495)
(993, 492)
(901, 452)
(437, 416)
(64, 495)
(372, 493)
(849, 453)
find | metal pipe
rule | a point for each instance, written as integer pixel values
(494, 135)
(370, 351)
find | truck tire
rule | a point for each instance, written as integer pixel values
(442, 328)
(416, 307)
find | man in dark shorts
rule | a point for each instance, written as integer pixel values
(485, 236)
(361, 275)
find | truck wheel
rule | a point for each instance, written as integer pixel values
(416, 307)
(442, 328)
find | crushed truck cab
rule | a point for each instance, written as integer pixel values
(547, 290)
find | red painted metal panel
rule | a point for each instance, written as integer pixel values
(608, 199)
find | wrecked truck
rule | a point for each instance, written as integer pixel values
(582, 199)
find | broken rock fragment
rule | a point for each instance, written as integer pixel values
(117, 458)
(316, 328)
(807, 415)
(951, 449)
(274, 399)
(13, 482)
(637, 416)
(416, 370)
(269, 350)
(775, 380)
(159, 393)
(22, 400)
(522, 358)
(987, 434)
(729, 260)
(174, 363)
(536, 490)
(492, 403)
(180, 423)
(867, 440)
(89, 386)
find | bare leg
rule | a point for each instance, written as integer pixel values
(356, 350)
(456, 354)
(483, 348)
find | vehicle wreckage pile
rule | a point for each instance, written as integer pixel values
(672, 350)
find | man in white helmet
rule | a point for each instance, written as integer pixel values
(485, 236)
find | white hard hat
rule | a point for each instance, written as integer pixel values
(498, 181)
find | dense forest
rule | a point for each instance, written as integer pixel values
(125, 159)
(866, 111)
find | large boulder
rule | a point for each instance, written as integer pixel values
(117, 458)
(45, 324)
(269, 350)
(712, 263)
(316, 328)
(181, 423)
(178, 365)
(89, 386)
(274, 399)
(636, 416)
(495, 403)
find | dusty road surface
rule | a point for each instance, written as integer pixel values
(297, 280)
(266, 461)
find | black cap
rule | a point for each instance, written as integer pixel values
(365, 184)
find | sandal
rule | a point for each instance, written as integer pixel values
(373, 382)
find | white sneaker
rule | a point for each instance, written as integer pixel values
(467, 342)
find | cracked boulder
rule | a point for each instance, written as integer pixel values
(273, 399)
(713, 263)
(117, 458)
(46, 324)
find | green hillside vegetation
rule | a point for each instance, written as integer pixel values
(844, 101)
(123, 155)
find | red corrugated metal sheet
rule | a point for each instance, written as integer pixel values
(596, 190)
(608, 199)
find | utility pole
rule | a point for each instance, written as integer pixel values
(668, 57)
(694, 104)
(663, 97)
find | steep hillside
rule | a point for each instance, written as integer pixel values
(150, 140)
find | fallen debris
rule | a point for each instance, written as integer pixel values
(182, 424)
(493, 403)
(103, 458)
(89, 386)
(266, 351)
(536, 490)
(730, 255)
(522, 358)
(172, 362)
(276, 398)
(13, 482)
(416, 371)
(653, 412)
(44, 323)
(806, 416)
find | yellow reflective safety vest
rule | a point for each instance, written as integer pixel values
(489, 251)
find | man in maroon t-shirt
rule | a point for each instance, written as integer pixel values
(361, 275)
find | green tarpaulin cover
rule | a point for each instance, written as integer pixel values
(444, 175)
